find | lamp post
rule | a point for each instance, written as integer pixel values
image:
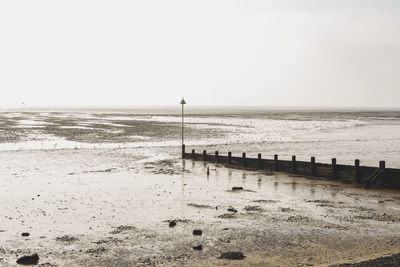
(183, 102)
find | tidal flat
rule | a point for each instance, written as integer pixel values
(102, 188)
(95, 207)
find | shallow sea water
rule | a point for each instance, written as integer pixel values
(370, 136)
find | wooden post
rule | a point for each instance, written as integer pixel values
(259, 161)
(276, 163)
(357, 170)
(216, 156)
(333, 177)
(244, 159)
(229, 157)
(204, 155)
(183, 151)
(193, 154)
(294, 167)
(313, 167)
(382, 164)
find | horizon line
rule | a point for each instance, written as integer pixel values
(188, 106)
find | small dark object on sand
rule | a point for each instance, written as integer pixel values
(172, 224)
(237, 188)
(29, 260)
(232, 256)
(232, 210)
(391, 260)
(25, 234)
(199, 247)
(197, 232)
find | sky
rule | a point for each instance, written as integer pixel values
(283, 53)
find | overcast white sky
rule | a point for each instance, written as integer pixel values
(313, 53)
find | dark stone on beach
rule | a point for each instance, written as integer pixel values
(197, 232)
(232, 210)
(237, 188)
(199, 247)
(25, 234)
(232, 256)
(225, 229)
(29, 260)
(386, 261)
(172, 224)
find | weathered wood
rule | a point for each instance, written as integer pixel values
(313, 167)
(357, 170)
(276, 163)
(333, 172)
(382, 164)
(294, 167)
(370, 176)
(183, 151)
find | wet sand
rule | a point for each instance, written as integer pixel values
(112, 207)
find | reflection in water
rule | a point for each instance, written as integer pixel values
(243, 178)
(294, 186)
(276, 184)
(193, 164)
(229, 174)
(312, 190)
(259, 182)
(334, 191)
(183, 166)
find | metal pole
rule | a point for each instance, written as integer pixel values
(182, 125)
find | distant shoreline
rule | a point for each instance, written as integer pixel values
(189, 109)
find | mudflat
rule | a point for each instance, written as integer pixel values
(114, 207)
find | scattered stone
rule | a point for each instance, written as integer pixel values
(225, 229)
(267, 201)
(96, 251)
(232, 256)
(253, 208)
(29, 260)
(67, 238)
(232, 210)
(287, 210)
(122, 228)
(227, 216)
(200, 206)
(197, 232)
(237, 188)
(199, 247)
(172, 224)
(25, 234)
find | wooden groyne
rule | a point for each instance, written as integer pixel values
(379, 176)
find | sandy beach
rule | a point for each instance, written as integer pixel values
(94, 207)
(200, 133)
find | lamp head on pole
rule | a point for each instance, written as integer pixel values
(183, 102)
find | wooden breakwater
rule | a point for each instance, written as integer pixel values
(378, 176)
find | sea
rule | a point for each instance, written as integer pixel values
(370, 135)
